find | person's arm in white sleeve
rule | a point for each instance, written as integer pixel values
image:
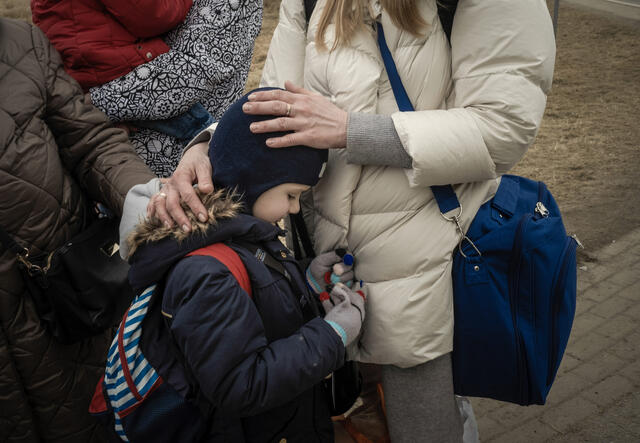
(503, 54)
(285, 59)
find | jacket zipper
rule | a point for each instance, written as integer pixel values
(558, 289)
(514, 290)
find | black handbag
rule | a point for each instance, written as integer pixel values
(81, 288)
(344, 385)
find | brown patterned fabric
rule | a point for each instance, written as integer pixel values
(53, 147)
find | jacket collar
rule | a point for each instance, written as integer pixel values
(152, 260)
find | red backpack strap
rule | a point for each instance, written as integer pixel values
(230, 258)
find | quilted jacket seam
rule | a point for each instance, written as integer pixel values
(18, 376)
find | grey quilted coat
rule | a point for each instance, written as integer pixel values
(56, 155)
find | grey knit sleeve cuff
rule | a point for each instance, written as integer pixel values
(372, 140)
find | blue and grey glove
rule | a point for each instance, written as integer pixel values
(346, 314)
(329, 269)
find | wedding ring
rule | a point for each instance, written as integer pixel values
(162, 194)
(288, 110)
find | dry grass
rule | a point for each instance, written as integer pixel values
(269, 22)
(587, 150)
(15, 9)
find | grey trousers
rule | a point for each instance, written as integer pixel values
(421, 406)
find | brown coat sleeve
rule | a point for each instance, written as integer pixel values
(98, 155)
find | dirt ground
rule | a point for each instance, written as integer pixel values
(588, 148)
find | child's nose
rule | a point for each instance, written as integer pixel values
(294, 207)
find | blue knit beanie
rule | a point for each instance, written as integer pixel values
(241, 159)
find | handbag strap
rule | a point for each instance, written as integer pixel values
(444, 194)
(22, 254)
(300, 236)
(11, 244)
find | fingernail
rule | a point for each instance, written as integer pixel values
(185, 228)
(167, 225)
(253, 126)
(246, 107)
(270, 142)
(202, 217)
(251, 96)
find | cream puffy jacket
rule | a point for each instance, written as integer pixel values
(479, 105)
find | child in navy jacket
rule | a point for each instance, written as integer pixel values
(242, 368)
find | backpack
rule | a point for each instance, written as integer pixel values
(132, 399)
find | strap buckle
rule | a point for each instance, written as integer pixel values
(463, 237)
(33, 269)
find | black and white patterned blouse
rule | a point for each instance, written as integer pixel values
(208, 63)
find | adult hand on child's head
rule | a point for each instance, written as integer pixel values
(347, 314)
(314, 120)
(194, 167)
(328, 269)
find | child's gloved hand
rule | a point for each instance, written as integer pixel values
(330, 268)
(347, 315)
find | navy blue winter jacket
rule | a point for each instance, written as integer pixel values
(258, 362)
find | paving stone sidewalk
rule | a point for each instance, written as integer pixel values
(596, 395)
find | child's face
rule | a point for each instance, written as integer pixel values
(276, 203)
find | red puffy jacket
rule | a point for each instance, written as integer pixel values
(101, 40)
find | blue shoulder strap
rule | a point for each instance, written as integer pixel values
(444, 194)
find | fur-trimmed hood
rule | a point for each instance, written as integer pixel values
(154, 248)
(220, 205)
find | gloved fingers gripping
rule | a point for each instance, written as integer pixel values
(340, 268)
(357, 300)
(326, 260)
(327, 305)
(345, 317)
(314, 284)
(342, 295)
(319, 271)
(338, 293)
(348, 277)
(359, 296)
(335, 279)
(349, 284)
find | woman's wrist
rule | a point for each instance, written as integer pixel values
(342, 125)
